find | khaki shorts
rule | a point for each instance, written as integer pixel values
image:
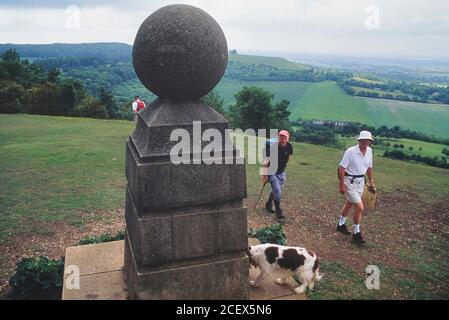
(354, 191)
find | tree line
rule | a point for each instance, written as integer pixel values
(350, 129)
(98, 72)
(114, 52)
(262, 72)
(401, 155)
(28, 88)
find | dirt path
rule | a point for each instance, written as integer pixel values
(399, 221)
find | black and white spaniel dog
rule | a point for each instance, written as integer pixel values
(282, 261)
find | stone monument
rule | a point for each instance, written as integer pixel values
(186, 226)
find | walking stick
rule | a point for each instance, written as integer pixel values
(260, 194)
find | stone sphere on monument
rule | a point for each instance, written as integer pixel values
(180, 53)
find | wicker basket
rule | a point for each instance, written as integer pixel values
(369, 197)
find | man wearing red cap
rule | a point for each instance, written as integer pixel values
(277, 179)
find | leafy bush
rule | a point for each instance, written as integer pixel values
(91, 107)
(103, 238)
(271, 234)
(37, 278)
(11, 97)
(125, 111)
(316, 134)
(45, 98)
(434, 162)
(445, 151)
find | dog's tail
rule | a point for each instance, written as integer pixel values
(316, 274)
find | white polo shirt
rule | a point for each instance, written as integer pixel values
(355, 163)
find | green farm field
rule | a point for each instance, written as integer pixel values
(290, 90)
(428, 149)
(421, 117)
(327, 101)
(63, 179)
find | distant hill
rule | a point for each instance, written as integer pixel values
(109, 65)
(114, 51)
(276, 62)
(111, 51)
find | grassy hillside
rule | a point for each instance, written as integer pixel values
(276, 62)
(53, 167)
(60, 173)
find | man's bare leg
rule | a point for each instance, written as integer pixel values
(344, 213)
(345, 210)
(356, 234)
(358, 212)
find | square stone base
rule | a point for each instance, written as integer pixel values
(219, 277)
(102, 276)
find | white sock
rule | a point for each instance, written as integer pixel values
(356, 228)
(342, 221)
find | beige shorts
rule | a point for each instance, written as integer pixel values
(354, 191)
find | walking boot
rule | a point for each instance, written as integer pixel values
(343, 229)
(269, 204)
(279, 214)
(358, 239)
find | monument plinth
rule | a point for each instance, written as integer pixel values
(186, 226)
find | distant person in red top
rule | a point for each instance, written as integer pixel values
(137, 106)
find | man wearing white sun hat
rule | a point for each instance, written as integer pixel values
(357, 161)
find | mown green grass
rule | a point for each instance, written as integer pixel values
(423, 277)
(427, 263)
(341, 281)
(54, 167)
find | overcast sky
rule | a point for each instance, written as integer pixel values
(387, 28)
